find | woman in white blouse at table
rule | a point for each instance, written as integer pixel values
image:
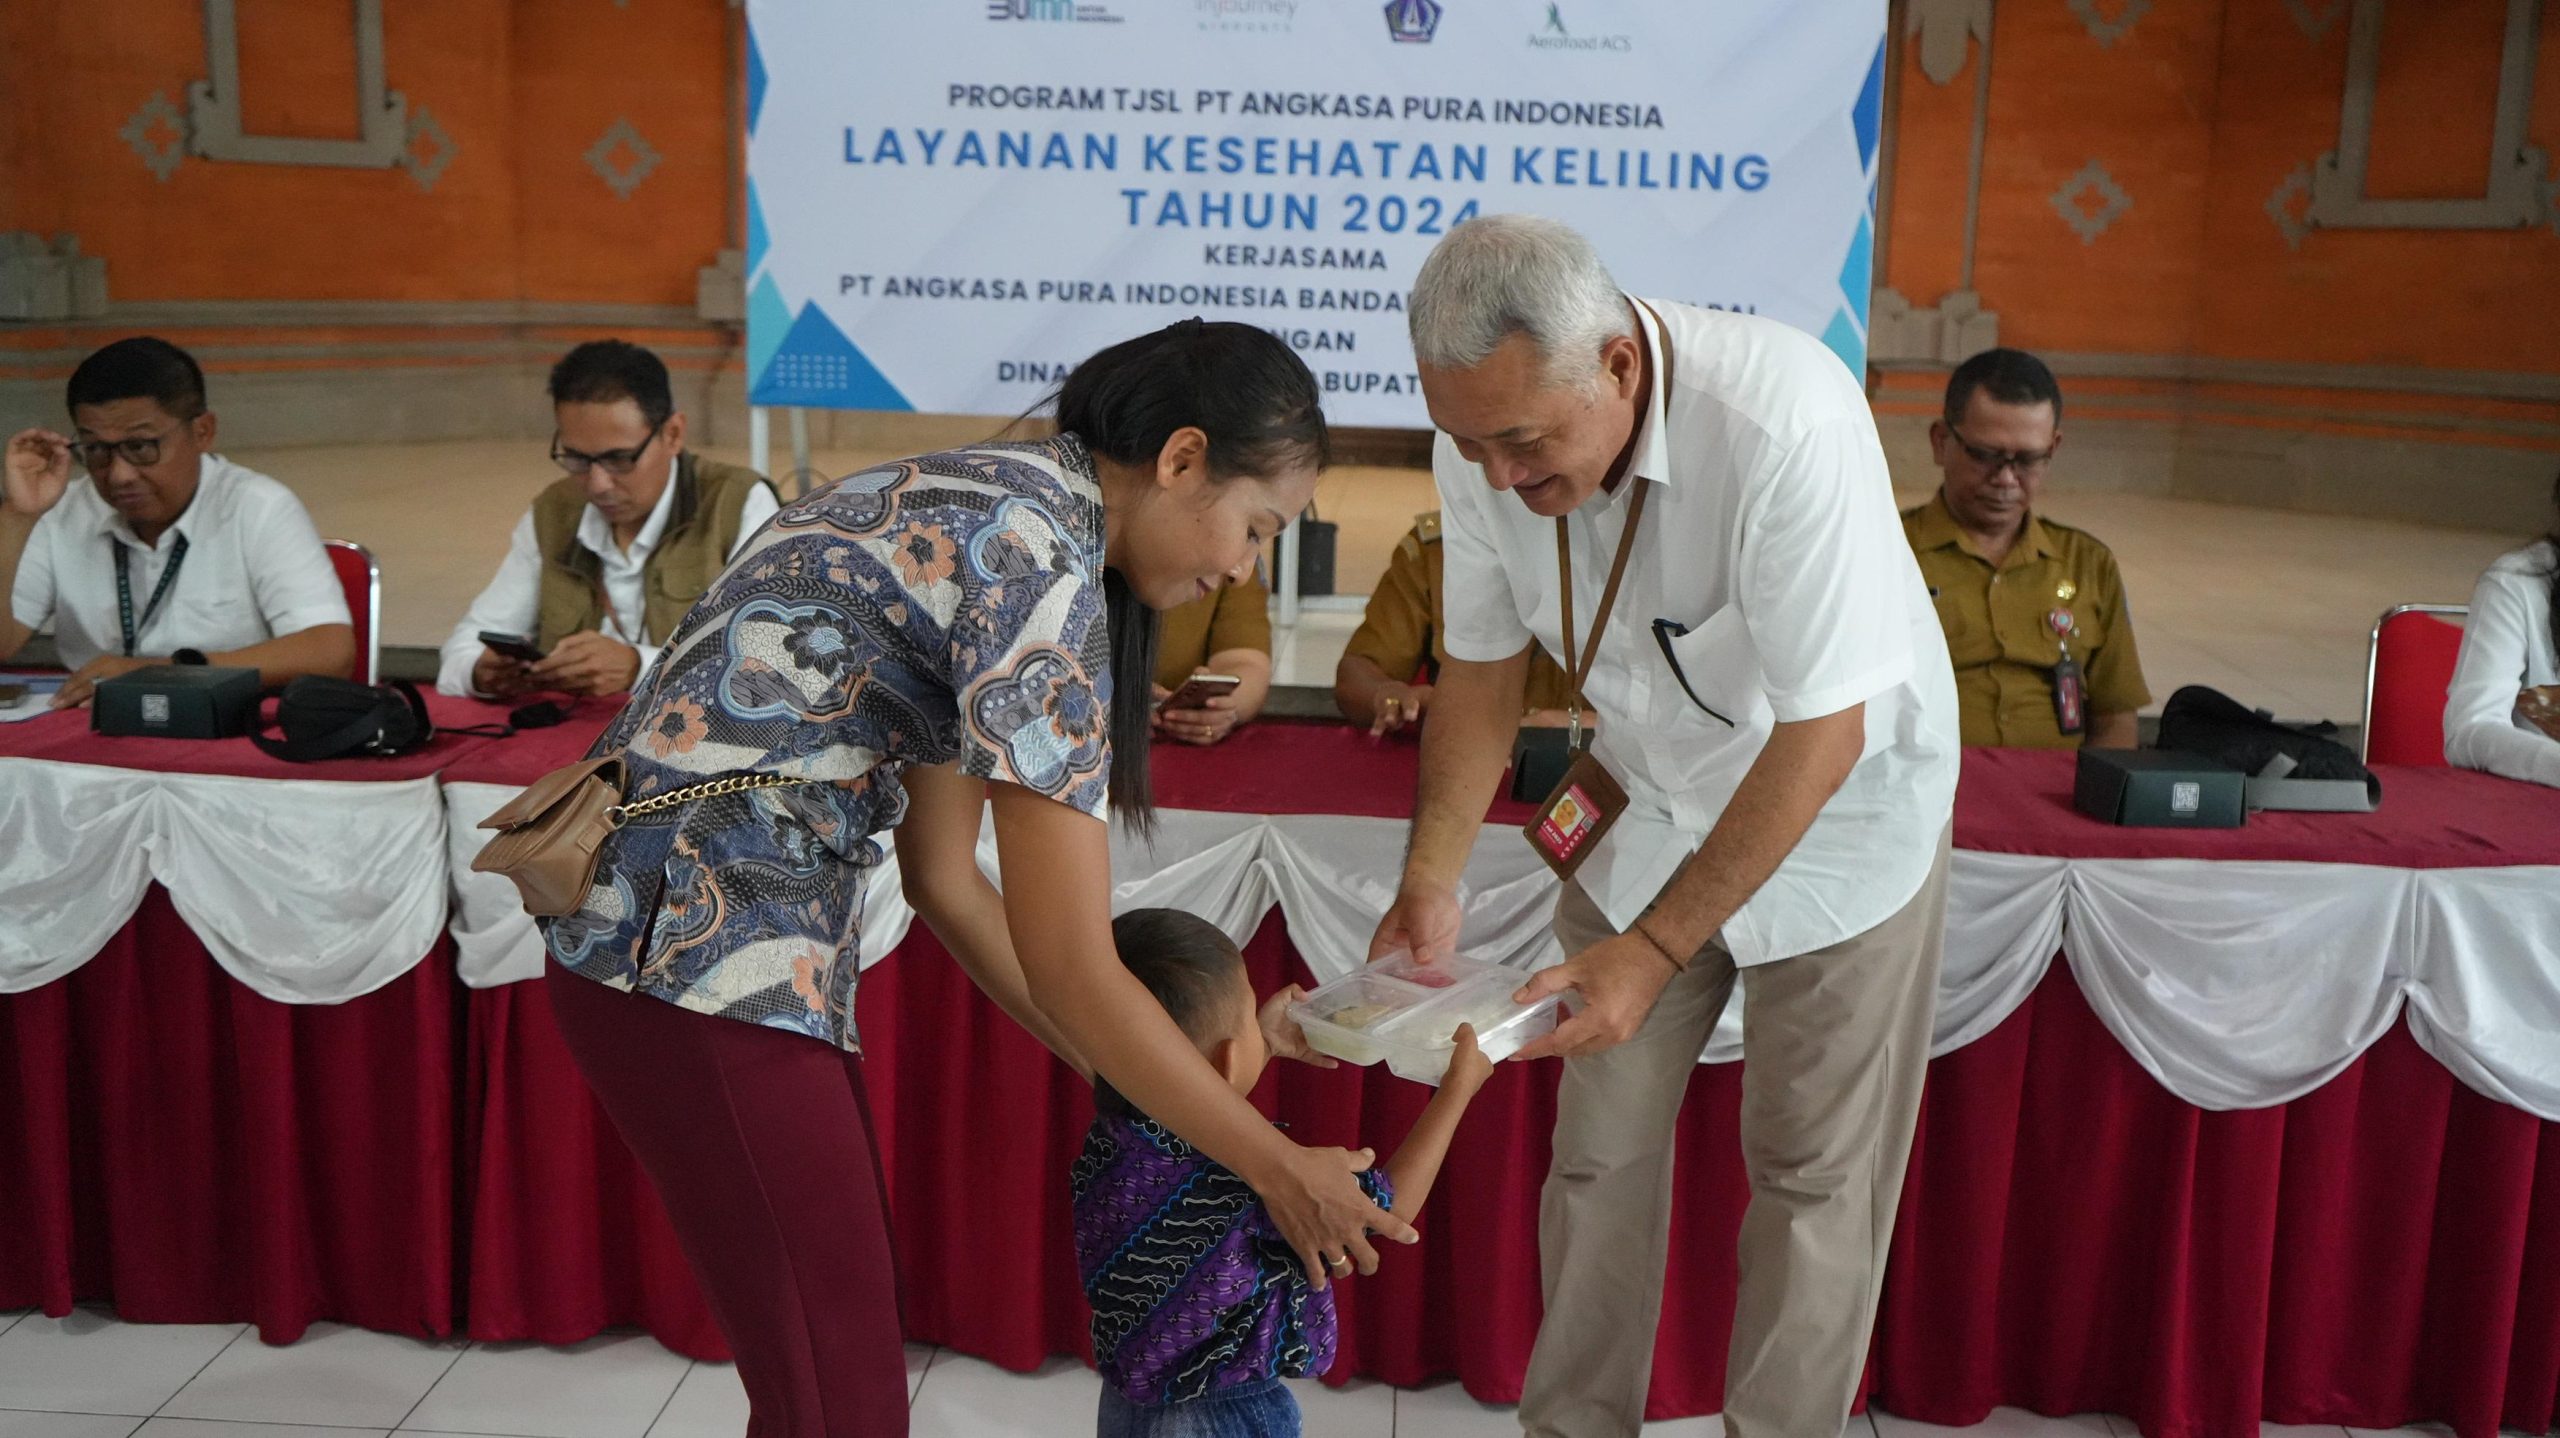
(2510, 644)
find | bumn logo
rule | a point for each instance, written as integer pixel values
(1413, 22)
(1064, 11)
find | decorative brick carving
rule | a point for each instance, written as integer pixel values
(157, 131)
(621, 158)
(2091, 201)
(2110, 20)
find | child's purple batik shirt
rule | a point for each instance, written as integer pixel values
(1193, 1290)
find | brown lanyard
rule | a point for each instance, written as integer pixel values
(1578, 666)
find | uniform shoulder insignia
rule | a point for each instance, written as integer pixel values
(1426, 527)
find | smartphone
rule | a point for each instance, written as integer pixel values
(1198, 690)
(513, 646)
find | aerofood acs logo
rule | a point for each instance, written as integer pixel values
(1063, 11)
(1413, 22)
(1556, 35)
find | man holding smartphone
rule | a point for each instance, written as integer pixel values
(612, 554)
(1691, 512)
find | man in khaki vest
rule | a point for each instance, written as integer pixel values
(610, 557)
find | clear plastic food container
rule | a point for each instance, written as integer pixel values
(1407, 1015)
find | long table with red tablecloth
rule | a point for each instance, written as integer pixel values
(2090, 1222)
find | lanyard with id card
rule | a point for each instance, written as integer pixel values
(1587, 802)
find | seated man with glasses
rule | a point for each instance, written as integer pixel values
(170, 553)
(610, 557)
(2034, 611)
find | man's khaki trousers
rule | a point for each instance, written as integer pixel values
(1835, 1045)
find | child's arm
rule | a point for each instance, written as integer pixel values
(1417, 1159)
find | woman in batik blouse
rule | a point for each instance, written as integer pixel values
(919, 642)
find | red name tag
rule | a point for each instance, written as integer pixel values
(1576, 816)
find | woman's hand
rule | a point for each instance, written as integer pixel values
(1281, 1034)
(1325, 1216)
(1215, 720)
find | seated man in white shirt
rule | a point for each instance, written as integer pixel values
(607, 560)
(171, 553)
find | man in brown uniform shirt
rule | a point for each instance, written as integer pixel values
(1386, 673)
(2034, 611)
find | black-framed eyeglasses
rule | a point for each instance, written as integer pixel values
(615, 462)
(1664, 631)
(2027, 462)
(141, 451)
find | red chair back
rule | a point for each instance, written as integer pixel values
(362, 579)
(2408, 668)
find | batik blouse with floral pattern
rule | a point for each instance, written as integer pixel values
(939, 610)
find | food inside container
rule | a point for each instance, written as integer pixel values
(1407, 1015)
(1348, 1017)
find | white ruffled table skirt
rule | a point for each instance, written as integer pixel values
(2236, 983)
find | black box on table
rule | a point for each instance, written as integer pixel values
(177, 701)
(2158, 788)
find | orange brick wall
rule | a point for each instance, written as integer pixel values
(2200, 112)
(521, 88)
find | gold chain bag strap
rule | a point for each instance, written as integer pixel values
(548, 837)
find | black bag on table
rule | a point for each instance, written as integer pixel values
(2198, 720)
(325, 718)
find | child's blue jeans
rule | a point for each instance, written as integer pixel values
(1257, 1410)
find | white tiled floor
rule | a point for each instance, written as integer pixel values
(90, 1376)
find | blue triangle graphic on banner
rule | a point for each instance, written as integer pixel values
(755, 80)
(816, 367)
(1868, 117)
(768, 322)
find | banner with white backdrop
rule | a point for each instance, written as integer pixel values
(953, 201)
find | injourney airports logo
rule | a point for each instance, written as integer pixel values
(1246, 15)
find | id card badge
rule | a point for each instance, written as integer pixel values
(1582, 809)
(2068, 709)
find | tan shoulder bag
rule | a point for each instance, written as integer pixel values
(548, 837)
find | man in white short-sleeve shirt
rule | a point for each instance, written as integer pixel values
(1772, 693)
(171, 553)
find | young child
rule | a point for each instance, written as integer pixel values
(1200, 1308)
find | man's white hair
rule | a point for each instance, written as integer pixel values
(1502, 275)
